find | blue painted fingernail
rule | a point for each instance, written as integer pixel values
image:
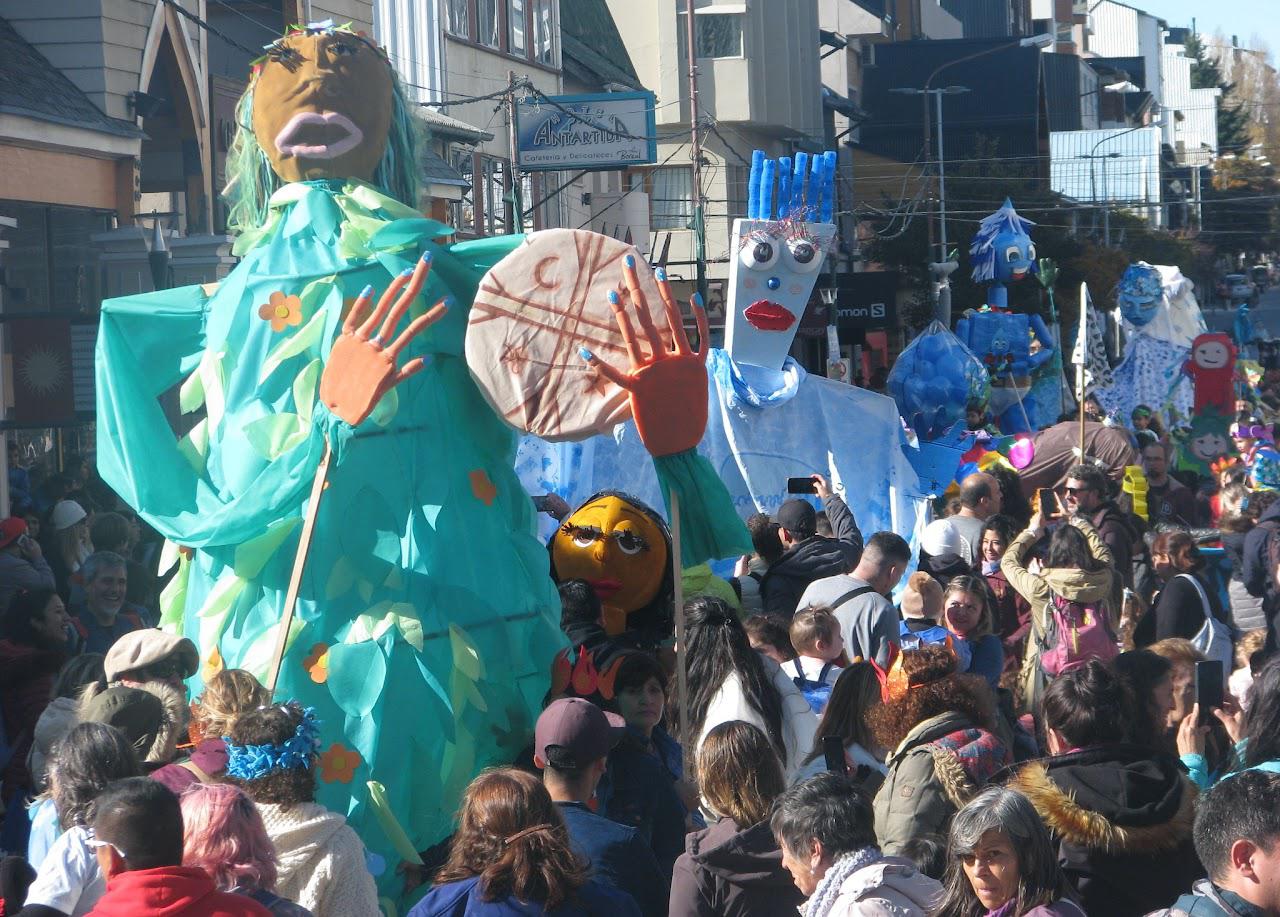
(366, 292)
(448, 302)
(407, 272)
(613, 297)
(629, 261)
(660, 274)
(697, 300)
(426, 257)
(586, 354)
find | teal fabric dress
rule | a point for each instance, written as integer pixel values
(426, 618)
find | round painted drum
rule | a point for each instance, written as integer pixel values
(534, 310)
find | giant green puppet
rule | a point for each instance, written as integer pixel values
(325, 380)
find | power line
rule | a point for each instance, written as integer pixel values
(182, 11)
(622, 196)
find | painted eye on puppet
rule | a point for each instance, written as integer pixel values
(630, 542)
(1031, 252)
(1012, 254)
(583, 536)
(805, 256)
(760, 253)
(344, 49)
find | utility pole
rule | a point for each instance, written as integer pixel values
(695, 139)
(513, 167)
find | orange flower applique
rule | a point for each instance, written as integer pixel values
(481, 487)
(317, 664)
(213, 664)
(281, 311)
(338, 763)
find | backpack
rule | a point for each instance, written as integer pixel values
(816, 692)
(1213, 639)
(1076, 633)
(913, 640)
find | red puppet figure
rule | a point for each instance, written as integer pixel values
(1212, 368)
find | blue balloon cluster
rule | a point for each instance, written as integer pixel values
(934, 379)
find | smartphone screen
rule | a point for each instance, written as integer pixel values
(833, 755)
(1046, 502)
(801, 486)
(1208, 688)
(540, 503)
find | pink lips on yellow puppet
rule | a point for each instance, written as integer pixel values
(318, 135)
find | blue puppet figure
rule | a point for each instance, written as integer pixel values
(1242, 330)
(1002, 253)
(1139, 293)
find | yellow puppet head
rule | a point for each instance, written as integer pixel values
(622, 548)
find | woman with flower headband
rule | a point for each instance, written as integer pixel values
(272, 755)
(511, 856)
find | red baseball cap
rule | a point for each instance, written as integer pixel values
(11, 530)
(572, 732)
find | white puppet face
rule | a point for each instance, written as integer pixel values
(774, 265)
(1212, 355)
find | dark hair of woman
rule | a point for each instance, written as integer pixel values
(1259, 502)
(1142, 671)
(636, 670)
(855, 692)
(1262, 719)
(1004, 526)
(739, 776)
(1068, 548)
(86, 759)
(1090, 705)
(579, 604)
(79, 671)
(274, 725)
(1181, 549)
(512, 836)
(717, 648)
(936, 688)
(771, 630)
(1013, 502)
(977, 587)
(25, 607)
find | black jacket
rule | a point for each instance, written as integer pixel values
(1256, 573)
(619, 857)
(1178, 612)
(1121, 817)
(729, 872)
(1119, 533)
(813, 559)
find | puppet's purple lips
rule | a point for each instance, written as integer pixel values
(318, 135)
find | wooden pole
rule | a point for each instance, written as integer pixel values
(299, 564)
(682, 676)
(1082, 348)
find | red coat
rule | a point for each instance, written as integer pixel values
(171, 891)
(26, 681)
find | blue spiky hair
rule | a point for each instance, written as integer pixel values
(982, 252)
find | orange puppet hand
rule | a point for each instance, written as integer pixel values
(668, 388)
(362, 365)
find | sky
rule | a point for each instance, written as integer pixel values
(1243, 18)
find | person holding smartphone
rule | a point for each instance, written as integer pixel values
(22, 563)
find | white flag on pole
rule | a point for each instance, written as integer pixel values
(1080, 354)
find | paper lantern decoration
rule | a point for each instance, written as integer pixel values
(934, 379)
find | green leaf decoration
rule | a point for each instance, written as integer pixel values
(191, 395)
(212, 615)
(390, 825)
(274, 435)
(305, 338)
(195, 446)
(212, 381)
(252, 555)
(385, 410)
(173, 598)
(342, 576)
(258, 658)
(304, 389)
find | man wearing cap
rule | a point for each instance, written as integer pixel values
(808, 556)
(959, 536)
(102, 616)
(571, 747)
(22, 563)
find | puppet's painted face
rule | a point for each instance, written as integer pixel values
(1139, 293)
(618, 549)
(1211, 354)
(322, 106)
(1209, 447)
(1015, 256)
(774, 266)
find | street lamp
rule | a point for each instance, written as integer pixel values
(158, 256)
(1093, 154)
(943, 267)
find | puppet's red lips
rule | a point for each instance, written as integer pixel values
(1019, 273)
(605, 588)
(767, 315)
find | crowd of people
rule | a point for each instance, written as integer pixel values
(1072, 707)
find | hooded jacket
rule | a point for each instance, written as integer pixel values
(1205, 900)
(171, 891)
(54, 723)
(1118, 532)
(163, 747)
(889, 887)
(1255, 572)
(1121, 817)
(936, 769)
(729, 871)
(812, 559)
(1098, 586)
(322, 863)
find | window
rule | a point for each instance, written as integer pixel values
(516, 24)
(52, 263)
(494, 172)
(718, 34)
(458, 12)
(671, 204)
(544, 32)
(488, 32)
(464, 211)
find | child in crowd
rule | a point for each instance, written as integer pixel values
(921, 611)
(1242, 677)
(770, 637)
(815, 634)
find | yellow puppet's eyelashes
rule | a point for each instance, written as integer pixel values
(586, 535)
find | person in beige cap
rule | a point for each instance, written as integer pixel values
(67, 542)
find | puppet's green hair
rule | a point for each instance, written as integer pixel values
(251, 181)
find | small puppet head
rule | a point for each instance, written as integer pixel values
(1002, 250)
(1205, 441)
(776, 254)
(1213, 352)
(323, 103)
(1140, 293)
